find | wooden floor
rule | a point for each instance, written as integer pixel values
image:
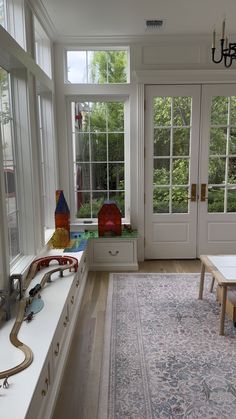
(78, 396)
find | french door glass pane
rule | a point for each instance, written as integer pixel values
(161, 146)
(82, 146)
(219, 110)
(181, 141)
(179, 200)
(171, 148)
(218, 141)
(161, 200)
(222, 159)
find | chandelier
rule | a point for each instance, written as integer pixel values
(227, 49)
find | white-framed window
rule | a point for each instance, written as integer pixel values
(100, 150)
(47, 153)
(10, 169)
(97, 66)
(12, 18)
(42, 48)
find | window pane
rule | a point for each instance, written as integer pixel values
(83, 205)
(98, 199)
(232, 141)
(182, 110)
(116, 176)
(115, 116)
(98, 147)
(216, 199)
(216, 170)
(99, 151)
(219, 110)
(233, 110)
(180, 172)
(162, 111)
(99, 176)
(83, 176)
(2, 13)
(98, 117)
(119, 199)
(218, 140)
(9, 164)
(179, 200)
(98, 67)
(181, 140)
(82, 147)
(162, 141)
(116, 147)
(231, 200)
(232, 170)
(117, 66)
(13, 232)
(76, 66)
(161, 200)
(161, 172)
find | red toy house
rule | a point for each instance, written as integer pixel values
(109, 220)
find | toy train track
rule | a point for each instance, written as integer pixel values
(65, 262)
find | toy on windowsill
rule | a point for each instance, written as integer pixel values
(62, 212)
(60, 238)
(109, 220)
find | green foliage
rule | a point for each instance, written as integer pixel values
(109, 67)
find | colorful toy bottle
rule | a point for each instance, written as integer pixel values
(62, 212)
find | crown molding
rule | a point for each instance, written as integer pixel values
(41, 13)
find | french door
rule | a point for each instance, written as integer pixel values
(190, 170)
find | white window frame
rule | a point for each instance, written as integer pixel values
(101, 98)
(43, 54)
(47, 153)
(15, 20)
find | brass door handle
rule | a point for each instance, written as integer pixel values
(203, 192)
(193, 196)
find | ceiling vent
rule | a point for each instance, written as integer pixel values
(154, 24)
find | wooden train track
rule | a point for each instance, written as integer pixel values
(65, 262)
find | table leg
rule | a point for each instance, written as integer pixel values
(212, 284)
(223, 307)
(201, 285)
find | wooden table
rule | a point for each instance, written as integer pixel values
(223, 270)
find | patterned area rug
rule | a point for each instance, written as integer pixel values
(163, 356)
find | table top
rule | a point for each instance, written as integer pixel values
(223, 267)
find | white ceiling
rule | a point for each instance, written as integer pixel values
(82, 18)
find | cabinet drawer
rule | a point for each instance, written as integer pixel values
(59, 337)
(41, 394)
(113, 252)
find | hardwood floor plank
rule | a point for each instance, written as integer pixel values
(79, 392)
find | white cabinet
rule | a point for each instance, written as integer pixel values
(32, 393)
(113, 253)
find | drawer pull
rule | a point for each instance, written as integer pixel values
(47, 382)
(77, 283)
(114, 253)
(43, 393)
(56, 352)
(72, 299)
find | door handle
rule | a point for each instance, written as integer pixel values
(193, 196)
(203, 192)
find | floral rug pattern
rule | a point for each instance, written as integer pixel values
(163, 355)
